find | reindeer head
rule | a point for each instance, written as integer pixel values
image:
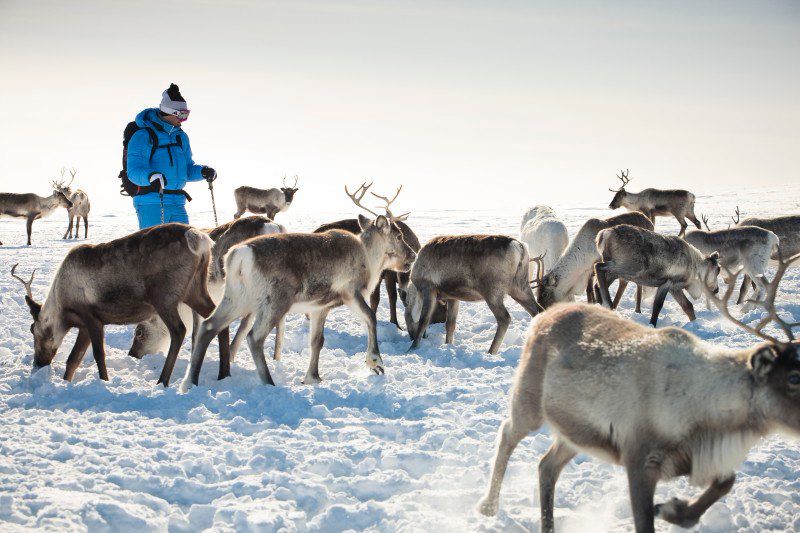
(398, 254)
(149, 337)
(47, 334)
(288, 192)
(706, 277)
(63, 191)
(774, 365)
(620, 195)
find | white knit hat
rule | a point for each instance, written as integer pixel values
(172, 101)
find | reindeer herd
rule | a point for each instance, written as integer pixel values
(659, 402)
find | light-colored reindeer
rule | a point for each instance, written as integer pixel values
(268, 277)
(656, 202)
(32, 206)
(660, 402)
(264, 201)
(545, 234)
(80, 206)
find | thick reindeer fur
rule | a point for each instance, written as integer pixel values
(748, 248)
(658, 202)
(650, 259)
(572, 273)
(262, 201)
(124, 281)
(152, 335)
(391, 279)
(661, 403)
(31, 207)
(268, 277)
(788, 231)
(468, 268)
(80, 209)
(545, 234)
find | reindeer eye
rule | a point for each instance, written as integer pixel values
(794, 379)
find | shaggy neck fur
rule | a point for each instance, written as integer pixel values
(375, 248)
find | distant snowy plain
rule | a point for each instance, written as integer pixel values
(408, 451)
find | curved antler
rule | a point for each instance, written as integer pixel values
(389, 202)
(357, 196)
(26, 284)
(737, 217)
(539, 260)
(705, 222)
(623, 178)
(295, 181)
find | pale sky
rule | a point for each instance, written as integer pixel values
(468, 104)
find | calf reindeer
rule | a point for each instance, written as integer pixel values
(748, 248)
(268, 277)
(152, 335)
(544, 234)
(468, 268)
(31, 206)
(653, 260)
(96, 285)
(661, 403)
(573, 272)
(787, 229)
(264, 201)
(656, 202)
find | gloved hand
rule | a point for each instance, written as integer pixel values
(208, 173)
(162, 181)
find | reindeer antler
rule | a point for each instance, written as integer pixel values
(539, 260)
(72, 173)
(295, 181)
(737, 217)
(26, 284)
(389, 202)
(768, 303)
(357, 196)
(623, 178)
(705, 222)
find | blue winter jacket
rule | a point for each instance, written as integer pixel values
(173, 160)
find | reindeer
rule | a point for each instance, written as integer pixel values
(80, 205)
(123, 281)
(747, 247)
(545, 234)
(268, 277)
(468, 268)
(391, 278)
(32, 206)
(573, 271)
(661, 403)
(261, 201)
(787, 228)
(653, 260)
(152, 335)
(656, 202)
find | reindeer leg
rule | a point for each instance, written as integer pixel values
(503, 318)
(450, 321)
(177, 332)
(390, 280)
(744, 289)
(685, 514)
(95, 329)
(85, 229)
(425, 315)
(244, 328)
(375, 297)
(638, 298)
(684, 302)
(602, 281)
(658, 302)
(683, 224)
(317, 339)
(69, 229)
(265, 322)
(77, 353)
(590, 296)
(550, 467)
(642, 479)
(359, 306)
(622, 285)
(206, 331)
(29, 226)
(279, 334)
(224, 353)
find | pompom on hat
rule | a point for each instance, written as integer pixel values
(172, 102)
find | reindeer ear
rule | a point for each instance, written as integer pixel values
(762, 361)
(714, 258)
(364, 222)
(34, 307)
(382, 223)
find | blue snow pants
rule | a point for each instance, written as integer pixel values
(150, 214)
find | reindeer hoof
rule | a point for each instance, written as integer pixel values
(487, 507)
(676, 511)
(311, 379)
(379, 371)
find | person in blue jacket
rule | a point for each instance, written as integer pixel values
(165, 167)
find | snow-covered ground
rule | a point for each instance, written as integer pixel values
(407, 451)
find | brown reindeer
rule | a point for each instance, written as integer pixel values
(391, 279)
(468, 268)
(264, 201)
(123, 281)
(656, 202)
(662, 403)
(32, 206)
(268, 277)
(650, 259)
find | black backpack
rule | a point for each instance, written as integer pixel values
(129, 188)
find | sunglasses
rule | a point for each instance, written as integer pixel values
(182, 115)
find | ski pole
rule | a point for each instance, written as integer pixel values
(213, 203)
(161, 199)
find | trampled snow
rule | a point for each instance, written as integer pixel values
(407, 451)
